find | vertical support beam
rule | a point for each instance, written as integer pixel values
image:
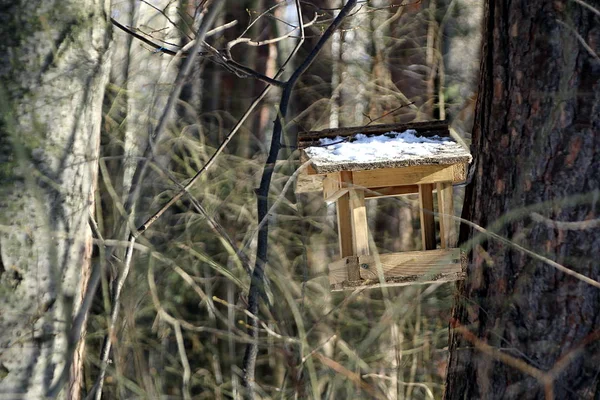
(344, 220)
(348, 213)
(427, 220)
(446, 208)
(360, 228)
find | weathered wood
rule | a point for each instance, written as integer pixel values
(344, 219)
(414, 175)
(306, 183)
(344, 270)
(427, 220)
(392, 191)
(360, 227)
(399, 269)
(426, 128)
(336, 184)
(395, 282)
(332, 187)
(446, 211)
(411, 263)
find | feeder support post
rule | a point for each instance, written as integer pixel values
(360, 227)
(427, 220)
(344, 219)
(446, 210)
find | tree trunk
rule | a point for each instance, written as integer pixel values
(536, 144)
(53, 69)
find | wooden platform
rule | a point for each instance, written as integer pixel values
(397, 269)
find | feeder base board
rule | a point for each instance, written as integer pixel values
(397, 269)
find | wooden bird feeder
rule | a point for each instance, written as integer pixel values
(419, 158)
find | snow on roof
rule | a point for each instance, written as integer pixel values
(388, 150)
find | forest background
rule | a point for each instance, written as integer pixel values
(104, 123)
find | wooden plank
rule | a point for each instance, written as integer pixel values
(338, 270)
(411, 263)
(445, 197)
(427, 220)
(332, 187)
(415, 175)
(377, 193)
(309, 183)
(344, 219)
(360, 227)
(402, 269)
(395, 282)
(347, 178)
(336, 184)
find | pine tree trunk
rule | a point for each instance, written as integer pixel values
(536, 144)
(53, 69)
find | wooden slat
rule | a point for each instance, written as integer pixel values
(332, 187)
(336, 184)
(309, 183)
(446, 209)
(415, 175)
(427, 220)
(338, 270)
(395, 282)
(360, 227)
(401, 269)
(347, 178)
(377, 193)
(411, 263)
(344, 219)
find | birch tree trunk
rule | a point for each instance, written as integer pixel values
(536, 144)
(53, 67)
(150, 76)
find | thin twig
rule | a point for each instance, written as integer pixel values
(319, 347)
(187, 374)
(564, 225)
(116, 302)
(164, 14)
(258, 43)
(388, 113)
(580, 40)
(544, 379)
(231, 65)
(588, 6)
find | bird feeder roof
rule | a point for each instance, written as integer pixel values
(381, 146)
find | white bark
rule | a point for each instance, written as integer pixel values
(150, 79)
(53, 69)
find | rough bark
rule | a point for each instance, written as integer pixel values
(536, 144)
(53, 68)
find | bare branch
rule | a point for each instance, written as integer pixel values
(233, 66)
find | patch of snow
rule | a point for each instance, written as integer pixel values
(390, 146)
